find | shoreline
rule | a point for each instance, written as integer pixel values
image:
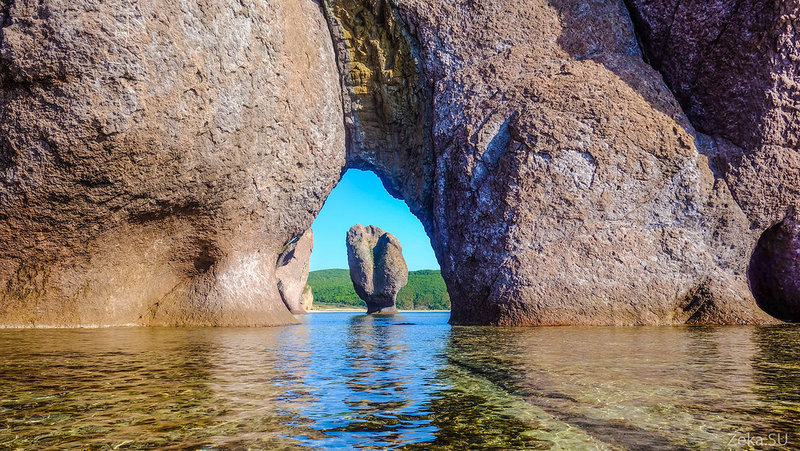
(350, 310)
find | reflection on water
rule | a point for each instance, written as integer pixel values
(343, 380)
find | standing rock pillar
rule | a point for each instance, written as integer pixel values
(377, 267)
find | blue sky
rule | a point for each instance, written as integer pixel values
(360, 198)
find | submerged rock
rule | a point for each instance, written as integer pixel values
(377, 267)
(292, 271)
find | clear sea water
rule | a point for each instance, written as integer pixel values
(351, 381)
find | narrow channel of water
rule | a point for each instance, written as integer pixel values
(345, 380)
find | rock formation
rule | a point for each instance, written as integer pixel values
(574, 162)
(775, 269)
(569, 186)
(377, 267)
(156, 156)
(307, 299)
(734, 65)
(292, 271)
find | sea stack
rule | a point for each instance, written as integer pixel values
(377, 267)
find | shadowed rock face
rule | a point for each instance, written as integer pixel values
(156, 156)
(377, 267)
(292, 271)
(774, 270)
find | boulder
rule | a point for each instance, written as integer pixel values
(292, 271)
(574, 162)
(377, 267)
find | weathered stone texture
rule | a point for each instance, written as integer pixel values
(377, 267)
(157, 155)
(386, 107)
(735, 67)
(569, 186)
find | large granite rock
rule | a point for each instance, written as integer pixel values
(292, 271)
(568, 186)
(157, 155)
(377, 267)
(734, 65)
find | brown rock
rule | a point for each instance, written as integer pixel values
(377, 267)
(307, 299)
(735, 68)
(568, 185)
(292, 271)
(156, 157)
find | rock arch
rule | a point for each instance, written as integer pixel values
(157, 156)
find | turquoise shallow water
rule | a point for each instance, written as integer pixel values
(345, 380)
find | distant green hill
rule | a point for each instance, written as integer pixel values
(425, 290)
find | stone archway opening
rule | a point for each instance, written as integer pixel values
(774, 271)
(362, 198)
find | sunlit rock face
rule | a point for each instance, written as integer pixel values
(735, 68)
(377, 267)
(568, 185)
(307, 299)
(156, 156)
(292, 272)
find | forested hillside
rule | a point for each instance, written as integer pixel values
(425, 290)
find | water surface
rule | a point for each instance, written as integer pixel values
(345, 380)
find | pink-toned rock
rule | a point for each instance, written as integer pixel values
(156, 157)
(307, 298)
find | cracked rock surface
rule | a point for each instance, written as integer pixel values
(569, 185)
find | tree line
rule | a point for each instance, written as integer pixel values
(425, 290)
